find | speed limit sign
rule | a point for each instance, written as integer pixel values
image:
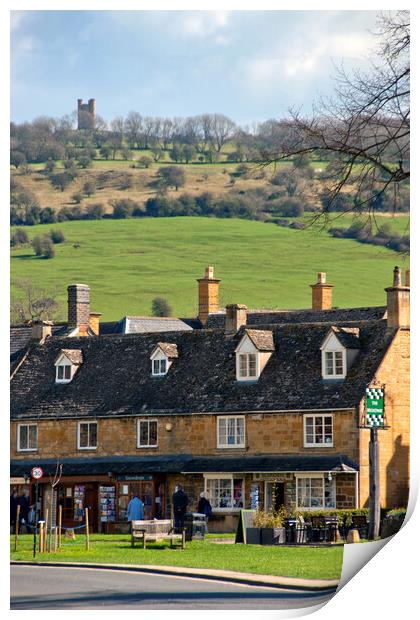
(37, 473)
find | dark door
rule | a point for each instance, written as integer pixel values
(91, 502)
(278, 495)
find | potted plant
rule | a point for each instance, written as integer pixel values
(253, 534)
(273, 531)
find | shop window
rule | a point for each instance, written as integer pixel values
(87, 435)
(315, 492)
(27, 437)
(147, 436)
(318, 431)
(231, 432)
(226, 493)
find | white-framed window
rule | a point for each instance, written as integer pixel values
(64, 372)
(226, 492)
(87, 435)
(318, 430)
(159, 366)
(27, 437)
(231, 431)
(333, 364)
(314, 491)
(147, 433)
(247, 366)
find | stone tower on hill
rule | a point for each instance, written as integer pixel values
(86, 113)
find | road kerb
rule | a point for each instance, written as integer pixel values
(271, 581)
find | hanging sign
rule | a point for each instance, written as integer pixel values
(375, 409)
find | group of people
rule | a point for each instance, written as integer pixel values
(27, 514)
(180, 501)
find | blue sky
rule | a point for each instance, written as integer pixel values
(249, 65)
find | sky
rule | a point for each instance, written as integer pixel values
(249, 65)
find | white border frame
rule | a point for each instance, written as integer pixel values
(140, 447)
(229, 445)
(323, 444)
(19, 426)
(225, 476)
(79, 447)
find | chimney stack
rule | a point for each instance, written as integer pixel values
(398, 301)
(94, 321)
(321, 293)
(235, 317)
(208, 295)
(41, 330)
(78, 300)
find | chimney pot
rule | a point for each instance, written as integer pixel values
(94, 321)
(78, 300)
(407, 277)
(41, 330)
(208, 295)
(398, 302)
(397, 276)
(321, 293)
(236, 317)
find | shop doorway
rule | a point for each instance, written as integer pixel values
(145, 491)
(274, 495)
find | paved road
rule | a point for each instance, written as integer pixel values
(41, 587)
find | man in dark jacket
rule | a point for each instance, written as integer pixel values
(180, 503)
(14, 501)
(24, 503)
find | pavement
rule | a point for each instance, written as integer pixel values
(64, 586)
(270, 581)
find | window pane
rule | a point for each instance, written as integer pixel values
(60, 372)
(32, 437)
(338, 362)
(155, 367)
(83, 435)
(163, 366)
(93, 435)
(23, 437)
(144, 433)
(222, 431)
(240, 431)
(67, 372)
(329, 363)
(252, 360)
(153, 433)
(242, 366)
(231, 431)
(238, 493)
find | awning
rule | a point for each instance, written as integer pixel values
(169, 464)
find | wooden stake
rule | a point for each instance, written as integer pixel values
(87, 528)
(17, 525)
(41, 536)
(45, 538)
(60, 519)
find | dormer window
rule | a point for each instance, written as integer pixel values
(67, 364)
(252, 354)
(162, 358)
(339, 350)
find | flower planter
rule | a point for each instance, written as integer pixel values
(253, 535)
(273, 535)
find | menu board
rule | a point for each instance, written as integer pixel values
(107, 503)
(79, 501)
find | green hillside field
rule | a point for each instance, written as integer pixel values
(127, 263)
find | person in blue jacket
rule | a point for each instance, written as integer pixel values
(135, 511)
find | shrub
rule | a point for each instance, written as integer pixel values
(89, 188)
(19, 237)
(94, 211)
(145, 161)
(161, 307)
(57, 236)
(77, 197)
(43, 247)
(123, 208)
(47, 216)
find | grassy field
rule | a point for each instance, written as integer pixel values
(129, 262)
(304, 562)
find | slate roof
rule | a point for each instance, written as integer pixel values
(169, 349)
(348, 336)
(115, 378)
(75, 356)
(143, 324)
(262, 339)
(186, 463)
(335, 315)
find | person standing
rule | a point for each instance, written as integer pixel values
(135, 510)
(204, 507)
(180, 503)
(24, 503)
(14, 501)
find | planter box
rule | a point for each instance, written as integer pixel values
(273, 535)
(253, 535)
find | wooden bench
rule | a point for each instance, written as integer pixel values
(155, 530)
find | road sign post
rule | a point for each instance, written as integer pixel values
(374, 420)
(36, 475)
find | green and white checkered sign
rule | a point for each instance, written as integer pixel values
(375, 410)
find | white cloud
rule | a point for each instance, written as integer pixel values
(203, 23)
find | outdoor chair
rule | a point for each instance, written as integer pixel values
(318, 531)
(332, 525)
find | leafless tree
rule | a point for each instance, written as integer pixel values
(32, 303)
(133, 129)
(365, 128)
(222, 129)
